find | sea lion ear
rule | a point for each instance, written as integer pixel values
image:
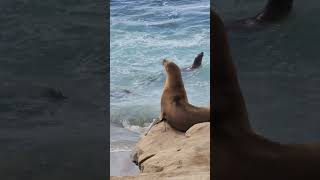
(228, 104)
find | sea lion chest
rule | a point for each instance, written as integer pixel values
(173, 105)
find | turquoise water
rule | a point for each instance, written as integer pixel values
(142, 34)
(46, 46)
(278, 69)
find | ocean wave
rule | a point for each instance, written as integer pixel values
(136, 128)
(133, 115)
(143, 40)
(122, 146)
(142, 33)
(120, 149)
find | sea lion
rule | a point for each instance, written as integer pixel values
(238, 152)
(175, 108)
(275, 10)
(196, 63)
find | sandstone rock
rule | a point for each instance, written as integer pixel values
(171, 154)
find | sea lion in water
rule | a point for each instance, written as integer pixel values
(196, 63)
(238, 152)
(53, 93)
(275, 10)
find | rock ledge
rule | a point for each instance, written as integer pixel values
(172, 154)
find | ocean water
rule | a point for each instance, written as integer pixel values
(278, 69)
(142, 33)
(49, 47)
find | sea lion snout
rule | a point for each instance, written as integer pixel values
(165, 62)
(170, 66)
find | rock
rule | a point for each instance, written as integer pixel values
(173, 154)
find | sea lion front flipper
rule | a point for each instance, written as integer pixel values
(163, 118)
(164, 125)
(155, 121)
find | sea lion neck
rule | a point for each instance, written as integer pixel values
(229, 106)
(174, 79)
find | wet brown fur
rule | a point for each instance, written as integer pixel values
(175, 108)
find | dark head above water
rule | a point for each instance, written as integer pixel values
(196, 63)
(53, 93)
(275, 10)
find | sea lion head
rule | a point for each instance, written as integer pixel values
(170, 67)
(197, 61)
(173, 72)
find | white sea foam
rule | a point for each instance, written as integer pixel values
(120, 149)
